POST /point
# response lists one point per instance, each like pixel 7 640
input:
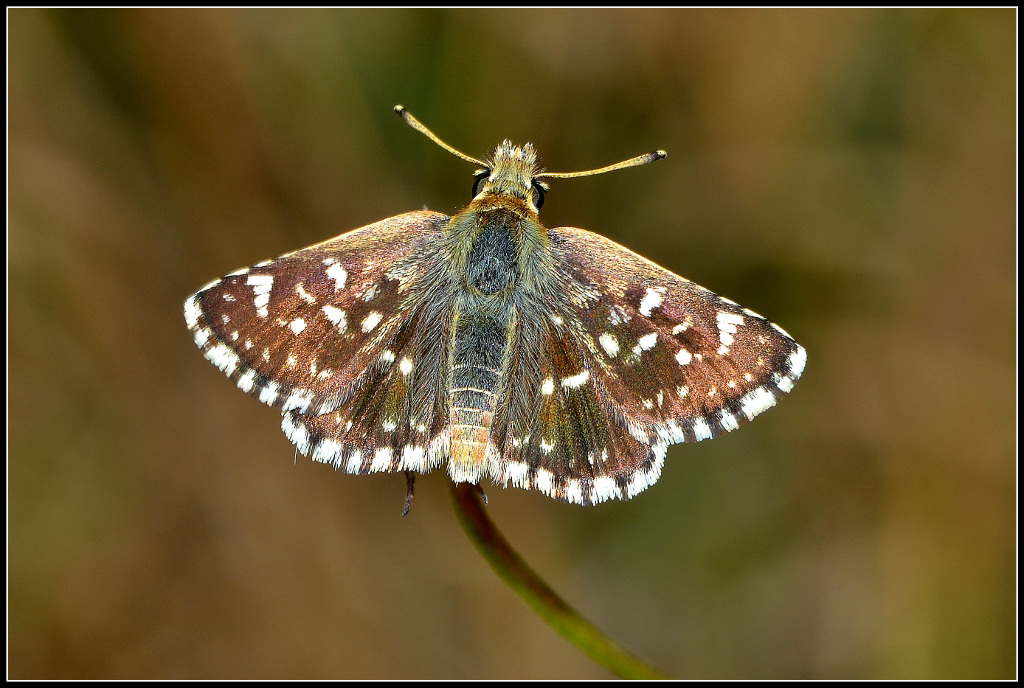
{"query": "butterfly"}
pixel 554 360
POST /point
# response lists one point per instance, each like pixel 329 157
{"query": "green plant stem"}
pixel 538 594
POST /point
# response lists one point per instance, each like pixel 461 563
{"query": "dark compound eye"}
pixel 480 178
pixel 538 195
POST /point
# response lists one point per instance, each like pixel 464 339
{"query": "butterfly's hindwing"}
pixel 396 416
pixel 572 446
pixel 303 331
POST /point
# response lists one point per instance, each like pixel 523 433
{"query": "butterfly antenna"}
pixel 632 162
pixel 418 126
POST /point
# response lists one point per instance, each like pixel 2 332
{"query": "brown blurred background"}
pixel 850 174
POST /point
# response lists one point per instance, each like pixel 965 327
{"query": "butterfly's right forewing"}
pixel 307 331
pixel 679 362
pixel 629 359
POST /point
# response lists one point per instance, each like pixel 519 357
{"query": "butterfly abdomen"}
pixel 480 342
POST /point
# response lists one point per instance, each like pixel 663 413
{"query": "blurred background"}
pixel 851 174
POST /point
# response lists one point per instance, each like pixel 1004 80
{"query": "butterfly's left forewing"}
pixel 638 358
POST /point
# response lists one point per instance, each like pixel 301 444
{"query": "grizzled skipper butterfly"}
pixel 552 359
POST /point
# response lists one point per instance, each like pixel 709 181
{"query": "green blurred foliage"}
pixel 851 174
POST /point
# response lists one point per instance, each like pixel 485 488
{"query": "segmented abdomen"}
pixel 476 372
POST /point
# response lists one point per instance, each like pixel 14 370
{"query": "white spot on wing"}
pixel 245 383
pixel 651 300
pixel 371 321
pixel 261 286
pixel 338 274
pixel 297 325
pixel 223 357
pixel 729 319
pixel 701 430
pixel 381 460
pixel 797 361
pixel 517 473
pixel 756 401
pixel 412 458
pixel 192 312
pixel 618 315
pixel 299 400
pixel 297 433
pixel 604 489
pixel 303 294
pixel 268 395
pixel 336 316
pixel 576 380
pixel 545 480
pixel 355 462
pixel 646 342
pixel 201 336
pixel 727 324
pixel 328 451
pixel 609 344
pixel 784 383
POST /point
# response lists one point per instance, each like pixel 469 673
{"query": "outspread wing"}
pixel 633 358
pixel 307 331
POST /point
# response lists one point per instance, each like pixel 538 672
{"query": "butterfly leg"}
pixel 410 483
pixel 480 488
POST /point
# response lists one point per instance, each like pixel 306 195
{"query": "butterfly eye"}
pixel 480 178
pixel 538 195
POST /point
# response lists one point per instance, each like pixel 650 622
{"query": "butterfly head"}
pixel 511 171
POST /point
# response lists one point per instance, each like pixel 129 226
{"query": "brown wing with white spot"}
pixel 676 362
pixel 307 331
pixel 396 418
pixel 558 431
